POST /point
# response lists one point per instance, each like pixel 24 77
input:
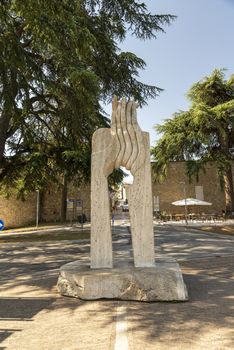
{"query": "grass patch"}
pixel 48 236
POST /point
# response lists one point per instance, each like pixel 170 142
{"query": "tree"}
pixel 59 60
pixel 202 134
pixel 47 91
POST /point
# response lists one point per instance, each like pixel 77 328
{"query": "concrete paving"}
pixel 34 316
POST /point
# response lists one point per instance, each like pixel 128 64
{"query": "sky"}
pixel 198 41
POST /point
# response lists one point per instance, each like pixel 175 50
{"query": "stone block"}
pixel 163 282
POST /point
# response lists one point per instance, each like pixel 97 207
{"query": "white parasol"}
pixel 190 201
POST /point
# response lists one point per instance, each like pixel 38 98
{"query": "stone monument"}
pixel 145 278
pixel 124 144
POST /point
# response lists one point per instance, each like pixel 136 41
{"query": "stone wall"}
pixel 176 182
pixel 15 212
pixel 51 202
pixel 82 194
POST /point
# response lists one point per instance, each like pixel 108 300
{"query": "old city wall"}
pixel 15 212
pixel 51 202
pixel 176 182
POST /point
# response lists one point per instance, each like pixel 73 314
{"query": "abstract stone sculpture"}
pixel 147 280
pixel 124 144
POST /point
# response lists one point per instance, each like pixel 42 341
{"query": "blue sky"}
pixel 198 41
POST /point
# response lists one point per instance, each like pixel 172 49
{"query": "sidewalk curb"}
pixel 42 231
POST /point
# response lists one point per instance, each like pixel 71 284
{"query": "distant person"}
pixel 113 216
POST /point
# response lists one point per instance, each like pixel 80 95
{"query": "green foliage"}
pixel 116 178
pixel 59 59
pixel 203 133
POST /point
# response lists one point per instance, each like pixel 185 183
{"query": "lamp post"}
pixel 38 204
pixel 185 204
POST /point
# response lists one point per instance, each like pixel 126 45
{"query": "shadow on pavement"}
pixel 204 322
pixel 19 309
pixel 206 319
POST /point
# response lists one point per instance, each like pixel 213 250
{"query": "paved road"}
pixel 34 316
pixel 184 243
pixel 176 241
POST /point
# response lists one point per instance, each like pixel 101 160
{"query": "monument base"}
pixel 163 282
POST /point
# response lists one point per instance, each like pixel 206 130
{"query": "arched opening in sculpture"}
pixel 118 185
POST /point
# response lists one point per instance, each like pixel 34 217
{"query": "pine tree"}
pixel 202 134
pixel 59 61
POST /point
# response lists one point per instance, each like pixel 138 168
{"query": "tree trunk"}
pixel 63 211
pixel 228 189
pixel 4 125
pixel 9 93
pixel 41 203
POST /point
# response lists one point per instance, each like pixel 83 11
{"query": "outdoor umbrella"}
pixel 190 201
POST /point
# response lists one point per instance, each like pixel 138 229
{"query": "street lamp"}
pixel 38 204
pixel 185 203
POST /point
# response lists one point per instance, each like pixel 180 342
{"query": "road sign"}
pixel 70 204
pixel 79 204
pixel 1 225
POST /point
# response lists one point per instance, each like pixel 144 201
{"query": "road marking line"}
pixel 121 339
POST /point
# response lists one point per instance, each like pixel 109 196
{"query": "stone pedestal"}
pixel 163 282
